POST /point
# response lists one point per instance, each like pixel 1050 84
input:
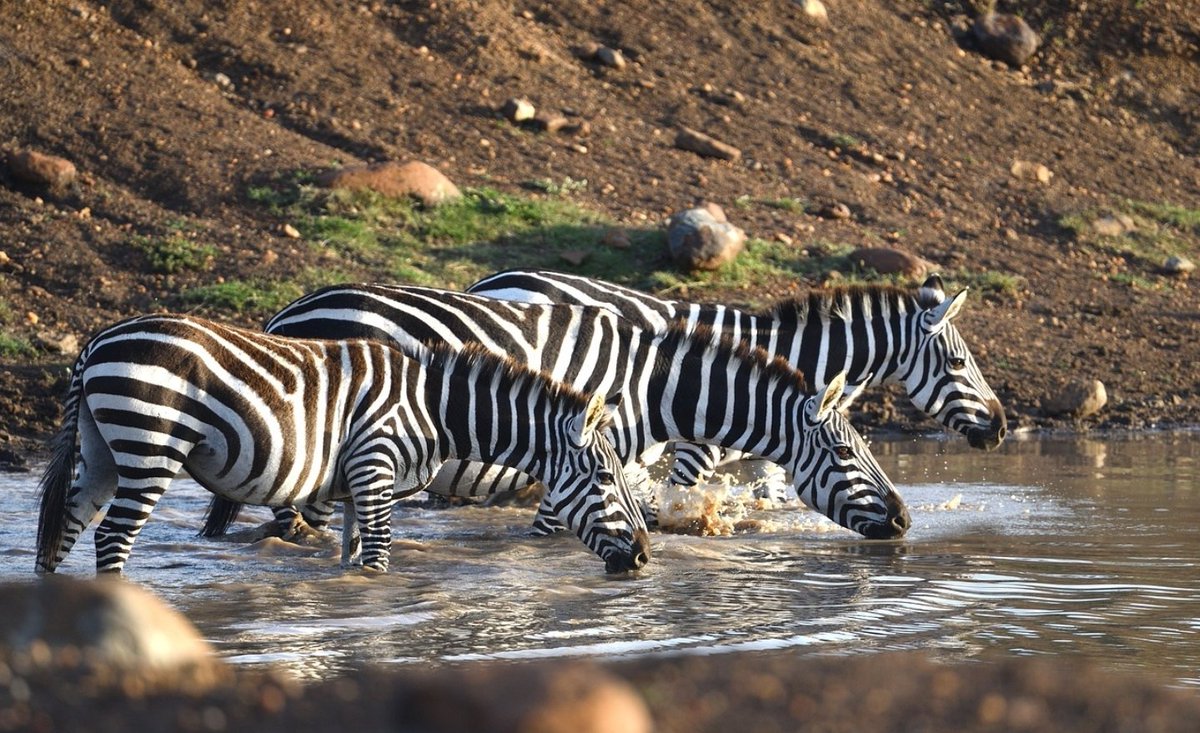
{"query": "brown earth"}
pixel 888 110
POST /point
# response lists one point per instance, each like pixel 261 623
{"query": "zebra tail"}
pixel 221 513
pixel 56 481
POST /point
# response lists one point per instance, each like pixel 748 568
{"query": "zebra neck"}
pixel 866 333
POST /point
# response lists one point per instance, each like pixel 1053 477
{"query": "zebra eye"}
pixel 605 478
pixel 957 362
pixel 843 452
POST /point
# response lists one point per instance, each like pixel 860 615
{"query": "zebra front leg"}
pixel 351 538
pixel 694 463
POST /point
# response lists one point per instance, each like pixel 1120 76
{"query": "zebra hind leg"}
pixel 128 512
pixel 94 485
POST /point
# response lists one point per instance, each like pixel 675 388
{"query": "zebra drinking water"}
pixel 874 334
pixel 684 384
pixel 277 421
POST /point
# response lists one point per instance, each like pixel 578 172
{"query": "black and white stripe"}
pixel 872 334
pixel 268 420
pixel 684 384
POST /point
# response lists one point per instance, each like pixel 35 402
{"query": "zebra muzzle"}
pixel 636 558
pixel 993 435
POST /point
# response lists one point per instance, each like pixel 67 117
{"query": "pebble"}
pixel 702 144
pixel 611 57
pixel 814 10
pixel 1113 226
pixel 1005 37
pixel 887 261
pixel 290 231
pixel 41 169
pixel 1076 398
pixel 1178 265
pixel 1027 170
pixel 518 109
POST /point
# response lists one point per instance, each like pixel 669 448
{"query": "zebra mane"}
pixel 831 302
pixel 679 334
pixel 477 358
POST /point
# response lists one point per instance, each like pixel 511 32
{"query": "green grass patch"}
pixel 1160 231
pixel 175 253
pixel 247 297
pixel 376 237
pixel 14 347
pixel 990 282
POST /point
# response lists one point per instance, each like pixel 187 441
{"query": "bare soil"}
pixel 171 110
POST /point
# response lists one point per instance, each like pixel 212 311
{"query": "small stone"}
pixel 1005 37
pixel 550 123
pixel 58 343
pixel 290 231
pixel 887 261
pixel 38 168
pixel 611 57
pixel 416 179
pixel 617 239
pixel 1109 226
pixel 574 256
pixel 699 241
pixel 1077 398
pixel 32 318
pixel 835 211
pixel 784 238
pixel 814 11
pixel 518 109
pixel 698 142
pixel 1027 170
pixel 1178 265
pixel 222 80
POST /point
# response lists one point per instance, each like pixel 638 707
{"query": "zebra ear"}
pixel 596 415
pixel 943 313
pixel 851 393
pixel 829 396
pixel 932 292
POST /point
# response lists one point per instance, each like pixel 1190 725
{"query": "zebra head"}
pixel 942 377
pixel 837 474
pixel 586 486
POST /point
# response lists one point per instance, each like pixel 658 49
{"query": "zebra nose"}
pixel 992 436
pixel 898 517
pixel 635 559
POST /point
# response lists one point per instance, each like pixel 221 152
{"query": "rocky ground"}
pixel 884 120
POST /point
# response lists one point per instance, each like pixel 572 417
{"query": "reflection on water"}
pixel 1080 547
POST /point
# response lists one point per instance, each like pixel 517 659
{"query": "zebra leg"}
pixel 318 514
pixel 372 496
pixel 94 486
pixel 138 491
pixel 694 462
pixel 351 538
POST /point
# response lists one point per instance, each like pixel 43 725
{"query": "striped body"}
pixel 873 334
pixel 677 385
pixel 266 420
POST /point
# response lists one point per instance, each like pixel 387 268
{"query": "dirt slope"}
pixel 170 110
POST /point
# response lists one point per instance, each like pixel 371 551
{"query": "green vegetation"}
pixel 762 261
pixel 175 253
pixel 785 203
pixel 548 185
pixel 990 282
pixel 1158 231
pixel 13 347
pixel 245 297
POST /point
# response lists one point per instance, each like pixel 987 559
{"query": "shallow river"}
pixel 1073 547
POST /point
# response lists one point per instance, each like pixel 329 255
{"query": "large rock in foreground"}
pixel 107 625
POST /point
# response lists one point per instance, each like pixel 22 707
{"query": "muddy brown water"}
pixel 1049 546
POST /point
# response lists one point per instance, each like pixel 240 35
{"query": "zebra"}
pixel 874 334
pixel 687 383
pixel 271 420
